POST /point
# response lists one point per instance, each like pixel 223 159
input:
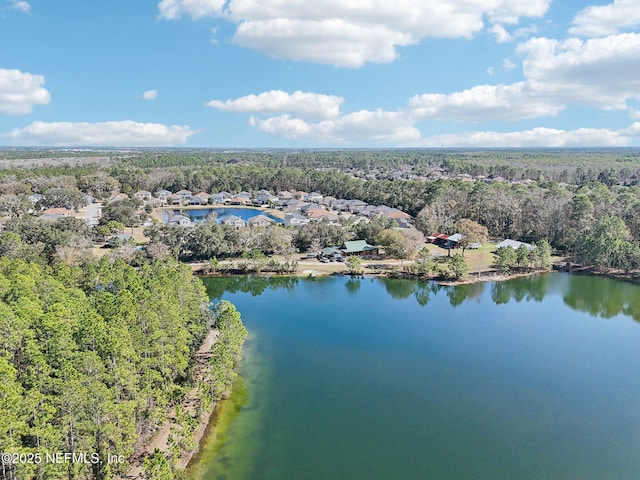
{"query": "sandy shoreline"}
pixel 160 439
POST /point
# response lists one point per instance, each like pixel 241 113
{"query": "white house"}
pixel 295 220
pixel 181 220
pixel 234 221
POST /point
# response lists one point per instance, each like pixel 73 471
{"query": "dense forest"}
pixel 92 358
pixel 95 353
pixel 577 200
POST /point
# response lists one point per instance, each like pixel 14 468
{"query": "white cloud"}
pixel 20 91
pixel 19 5
pixel 172 9
pixel 600 72
pixel 500 34
pixel 609 19
pixel 358 127
pixel 118 134
pixel 632 131
pixel 483 103
pixel 150 95
pixel 351 33
pixel 329 41
pixel 508 65
pixel 304 104
pixel 537 137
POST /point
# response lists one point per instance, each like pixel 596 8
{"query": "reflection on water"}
pixel 595 295
pixel 602 297
pixel 384 378
pixel 253 284
pixel 353 285
pixel 519 289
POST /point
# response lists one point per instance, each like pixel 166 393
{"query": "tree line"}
pixel 93 358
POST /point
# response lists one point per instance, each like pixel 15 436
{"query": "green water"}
pixel 535 378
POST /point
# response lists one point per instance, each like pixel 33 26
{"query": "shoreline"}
pixel 208 420
pixel 160 439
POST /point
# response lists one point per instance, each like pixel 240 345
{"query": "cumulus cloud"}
pixel 298 103
pixel 484 102
pixel 117 134
pixel 537 137
pixel 608 19
pixel 150 95
pixel 600 72
pixel 377 126
pixel 173 9
pixel 20 91
pixel 347 33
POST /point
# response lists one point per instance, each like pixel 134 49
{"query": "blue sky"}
pixel 322 73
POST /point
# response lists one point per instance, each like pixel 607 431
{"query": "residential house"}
pixel 238 200
pixel 185 194
pixel 163 195
pixel 175 200
pixel 284 195
pixel 118 197
pixel 311 207
pixel 260 221
pixel 142 195
pixel 264 197
pixel 328 201
pixel 196 200
pixel 234 221
pixel 355 206
pixel 222 197
pixel 453 241
pixel 154 202
pixel 393 213
pixel 204 196
pixel 295 206
pixel 322 214
pixel 179 219
pixel 120 239
pixel 55 213
pixel 515 244
pixel 358 247
pixel 295 220
pixel 35 198
pixel 339 205
pixel 313 197
pixel 299 195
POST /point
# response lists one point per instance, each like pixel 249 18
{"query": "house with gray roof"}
pixel 260 221
pixel 515 244
pixel 295 220
pixel 179 219
pixel 234 221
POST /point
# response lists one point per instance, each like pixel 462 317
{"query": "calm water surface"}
pixel 535 378
pixel 199 215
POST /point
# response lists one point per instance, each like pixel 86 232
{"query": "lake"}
pixel 199 215
pixel 344 379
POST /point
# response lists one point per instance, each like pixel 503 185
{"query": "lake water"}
pixel 199 215
pixel 343 379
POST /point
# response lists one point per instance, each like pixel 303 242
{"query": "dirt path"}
pixel 161 438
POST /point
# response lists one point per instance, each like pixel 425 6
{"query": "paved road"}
pixel 93 213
